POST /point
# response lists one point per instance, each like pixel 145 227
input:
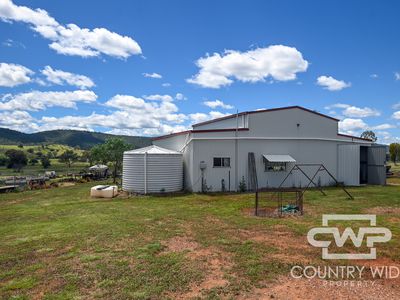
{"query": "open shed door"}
pixel 376 165
pixel 349 164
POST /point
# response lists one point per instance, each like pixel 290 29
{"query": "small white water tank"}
pixel 152 170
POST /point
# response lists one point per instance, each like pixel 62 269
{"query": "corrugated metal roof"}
pixel 153 149
pixel 279 158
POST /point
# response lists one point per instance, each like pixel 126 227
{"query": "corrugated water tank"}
pixel 152 170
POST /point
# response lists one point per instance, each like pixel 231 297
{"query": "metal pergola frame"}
pixel 297 167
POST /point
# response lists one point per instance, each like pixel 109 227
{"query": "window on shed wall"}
pixel 224 162
pixel 274 166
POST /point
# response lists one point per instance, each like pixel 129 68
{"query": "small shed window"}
pixel 277 162
pixel 224 162
pixel 274 166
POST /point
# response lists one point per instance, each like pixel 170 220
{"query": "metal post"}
pixel 236 152
pixel 319 188
pixel 337 183
pixel 256 211
pixel 145 172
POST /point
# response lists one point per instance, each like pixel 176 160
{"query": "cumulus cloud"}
pixel 360 112
pixel 396 106
pixel 70 39
pixel 12 75
pixel 36 100
pixel 331 84
pixel 18 120
pixel 162 111
pixel 385 137
pixel 382 126
pixel 396 115
pixel 337 105
pixel 279 62
pixel 357 126
pixel 202 117
pixel 62 78
pixel 150 118
pixel 152 75
pixel 159 97
pixel 374 76
pixel 397 75
pixel 217 103
pixel 160 130
pixel 350 125
pixel 354 111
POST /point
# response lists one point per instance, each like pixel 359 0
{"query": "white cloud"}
pixel 12 75
pixel 163 111
pixel 385 137
pixel 62 78
pixel 354 111
pixel 337 105
pixel 166 84
pixel 150 118
pixel 374 76
pixel 201 117
pixel 397 75
pixel 382 126
pixel 70 39
pixel 161 130
pixel 37 100
pixel 18 120
pixel 180 96
pixel 350 125
pixel 126 102
pixel 396 115
pixel 357 126
pixel 152 75
pixel 359 112
pixel 277 61
pixel 332 84
pixel 396 106
pixel 159 98
pixel 217 103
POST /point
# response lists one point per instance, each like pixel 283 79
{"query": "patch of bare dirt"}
pixel 291 248
pixel 214 261
pixel 381 210
pixel 180 244
pixel 66 184
pixel 290 288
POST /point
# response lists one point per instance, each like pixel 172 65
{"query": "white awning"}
pixel 279 158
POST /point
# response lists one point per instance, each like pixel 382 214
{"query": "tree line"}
pixel 108 153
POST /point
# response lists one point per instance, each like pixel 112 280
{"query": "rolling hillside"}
pixel 73 138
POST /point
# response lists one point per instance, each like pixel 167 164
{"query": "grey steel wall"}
pixel 349 164
pixel 181 143
pixel 376 165
pixel 317 152
pixel 307 137
pixel 164 173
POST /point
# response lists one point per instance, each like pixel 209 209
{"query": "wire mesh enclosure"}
pixel 279 202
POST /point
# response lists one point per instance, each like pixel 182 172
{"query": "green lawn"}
pixel 61 244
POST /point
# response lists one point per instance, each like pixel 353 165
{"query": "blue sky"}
pixel 214 57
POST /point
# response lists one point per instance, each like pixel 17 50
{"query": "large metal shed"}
pixel 152 170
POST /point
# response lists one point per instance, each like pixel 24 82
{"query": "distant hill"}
pixel 73 138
